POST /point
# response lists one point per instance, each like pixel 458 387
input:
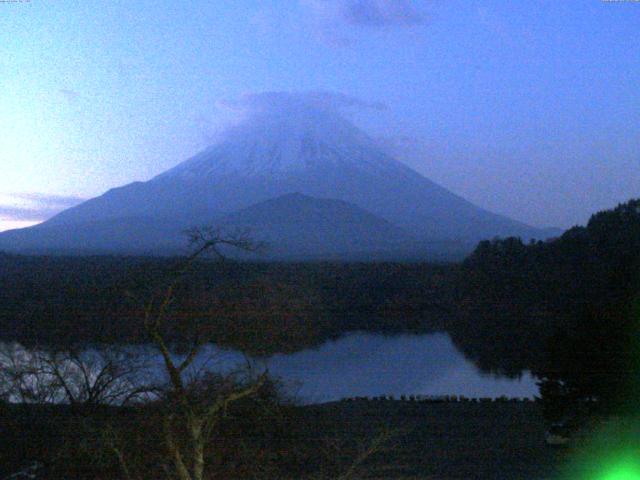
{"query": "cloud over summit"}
pixel 368 13
pixel 378 13
pixel 232 111
pixel 322 99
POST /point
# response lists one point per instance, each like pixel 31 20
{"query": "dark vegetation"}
pixel 567 309
pixel 446 440
pixel 257 307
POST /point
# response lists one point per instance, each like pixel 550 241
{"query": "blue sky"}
pixel 528 108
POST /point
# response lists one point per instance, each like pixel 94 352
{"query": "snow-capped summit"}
pixel 285 140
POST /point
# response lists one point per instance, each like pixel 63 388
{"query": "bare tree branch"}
pixel 194 405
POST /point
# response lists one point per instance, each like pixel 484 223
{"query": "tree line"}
pixel 567 309
pixel 260 308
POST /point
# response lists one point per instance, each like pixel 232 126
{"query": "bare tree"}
pixel 88 377
pixel 21 379
pixel 196 403
pixel 342 460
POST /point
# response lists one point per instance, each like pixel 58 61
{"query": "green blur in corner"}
pixel 623 469
pixel 611 452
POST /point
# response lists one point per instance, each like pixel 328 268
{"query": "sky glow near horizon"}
pixel 529 109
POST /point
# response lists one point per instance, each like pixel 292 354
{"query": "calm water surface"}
pixel 365 364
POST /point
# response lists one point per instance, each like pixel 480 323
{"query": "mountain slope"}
pixel 296 225
pixel 129 235
pixel 290 226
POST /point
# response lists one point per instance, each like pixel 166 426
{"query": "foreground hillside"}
pixel 502 441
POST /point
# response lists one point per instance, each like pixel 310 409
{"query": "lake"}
pixel 359 365
pixel 366 364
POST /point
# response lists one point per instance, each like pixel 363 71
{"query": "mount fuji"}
pixel 300 176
